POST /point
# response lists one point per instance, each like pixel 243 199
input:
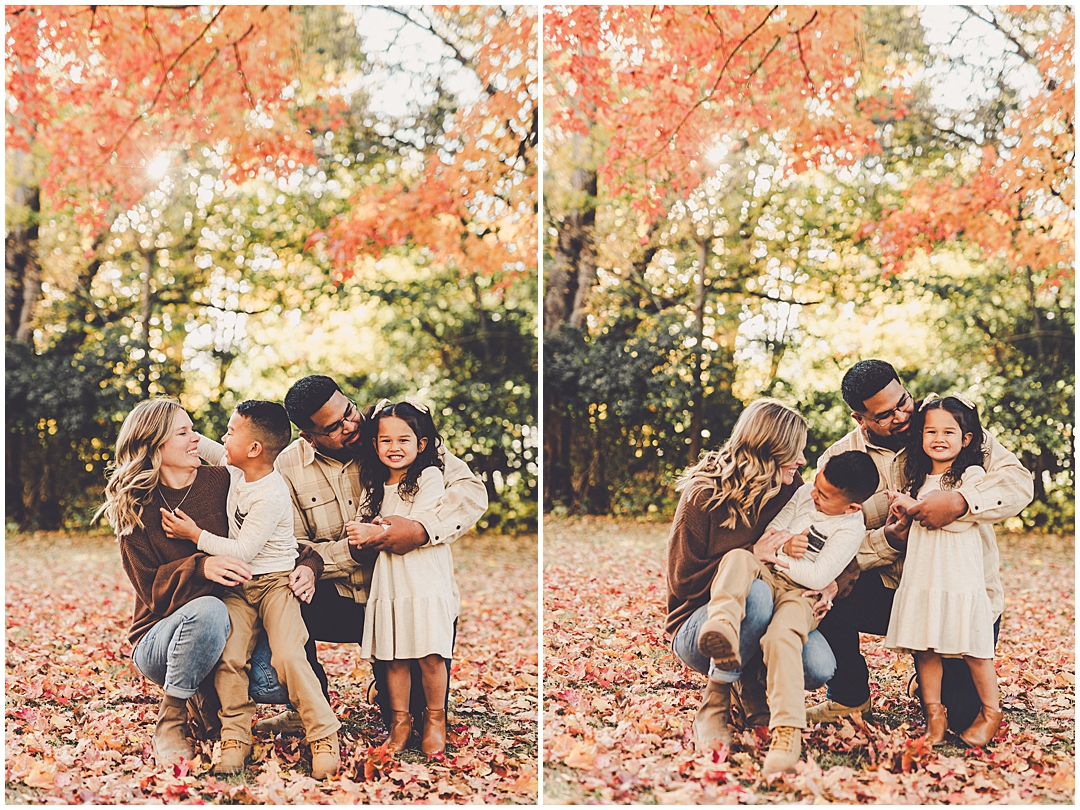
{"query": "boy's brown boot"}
pixel 784 750
pixel 712 721
pixel 170 736
pixel 325 756
pixel 400 729
pixel 234 754
pixel 719 640
pixel 937 723
pixel 433 737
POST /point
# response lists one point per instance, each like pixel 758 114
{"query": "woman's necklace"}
pixel 172 509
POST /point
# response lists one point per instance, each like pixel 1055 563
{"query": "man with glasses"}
pixel 322 471
pixel 882 409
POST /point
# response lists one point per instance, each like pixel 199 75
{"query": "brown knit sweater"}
pixel 697 543
pixel 167 573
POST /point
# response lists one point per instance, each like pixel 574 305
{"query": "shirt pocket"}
pixel 321 511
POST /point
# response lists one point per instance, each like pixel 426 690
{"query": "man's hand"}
pixel 825 599
pixel 797 544
pixel 765 549
pixel 179 525
pixel 896 531
pixel 937 509
pixel 226 571
pixel 302 582
pixel 400 536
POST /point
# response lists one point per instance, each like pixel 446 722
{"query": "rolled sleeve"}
pixel 1002 491
pixel 462 504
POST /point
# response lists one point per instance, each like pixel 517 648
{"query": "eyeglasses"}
pixel 352 414
pixel 382 403
pixel 886 417
pixel 931 397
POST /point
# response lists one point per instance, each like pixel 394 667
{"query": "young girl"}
pixel 413 601
pixel 941 607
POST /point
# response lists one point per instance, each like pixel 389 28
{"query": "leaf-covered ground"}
pixel 618 706
pixel 79 718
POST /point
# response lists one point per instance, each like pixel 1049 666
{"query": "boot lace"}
pixel 323 746
pixel 783 738
pixel 227 744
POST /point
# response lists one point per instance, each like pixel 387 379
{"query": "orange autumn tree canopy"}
pixel 669 84
pixel 474 204
pixel 102 91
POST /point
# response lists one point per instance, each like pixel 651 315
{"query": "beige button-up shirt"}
pixel 1006 489
pixel 326 494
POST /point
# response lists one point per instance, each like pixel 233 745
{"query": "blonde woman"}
pixel 179 625
pixel 728 498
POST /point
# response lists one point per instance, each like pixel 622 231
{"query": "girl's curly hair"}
pixel 374 474
pixel 918 465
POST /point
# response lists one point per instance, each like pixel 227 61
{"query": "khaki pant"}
pixel 267 598
pixel 782 644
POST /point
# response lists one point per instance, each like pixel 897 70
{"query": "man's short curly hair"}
pixel 306 397
pixel 863 380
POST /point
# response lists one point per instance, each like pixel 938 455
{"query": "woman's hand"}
pixel 797 544
pixel 302 582
pixel 765 549
pixel 825 599
pixel 227 571
pixel 178 525
pixel 360 533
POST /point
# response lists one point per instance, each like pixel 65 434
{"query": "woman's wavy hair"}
pixel 374 474
pixel 918 465
pixel 745 473
pixel 136 467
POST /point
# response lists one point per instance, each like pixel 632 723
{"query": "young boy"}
pixel 260 534
pixel 828 514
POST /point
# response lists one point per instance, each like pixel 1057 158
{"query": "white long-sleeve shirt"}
pixel 833 540
pixel 260 518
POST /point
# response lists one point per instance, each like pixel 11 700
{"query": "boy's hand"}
pixel 797 544
pixel 360 534
pixel 179 525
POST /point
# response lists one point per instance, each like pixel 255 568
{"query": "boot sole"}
pixel 718 647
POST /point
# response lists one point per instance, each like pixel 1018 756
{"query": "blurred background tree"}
pixel 809 188
pixel 179 184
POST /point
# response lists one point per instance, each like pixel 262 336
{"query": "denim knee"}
pixel 819 663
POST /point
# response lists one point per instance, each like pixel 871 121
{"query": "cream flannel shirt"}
pixel 326 494
pixel 1006 489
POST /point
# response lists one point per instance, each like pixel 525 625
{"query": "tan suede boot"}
pixel 712 723
pixel 325 756
pixel 234 754
pixel 784 750
pixel 720 641
pixel 170 736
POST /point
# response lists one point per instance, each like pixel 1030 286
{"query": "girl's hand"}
pixel 797 544
pixel 178 525
pixel 227 571
pixel 302 582
pixel 360 534
pixel 765 549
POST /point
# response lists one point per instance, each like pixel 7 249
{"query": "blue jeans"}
pixel 263 683
pixel 819 664
pixel 182 649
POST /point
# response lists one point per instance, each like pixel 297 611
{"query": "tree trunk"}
pixel 697 408
pixel 21 264
pixel 572 274
pixel 144 318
